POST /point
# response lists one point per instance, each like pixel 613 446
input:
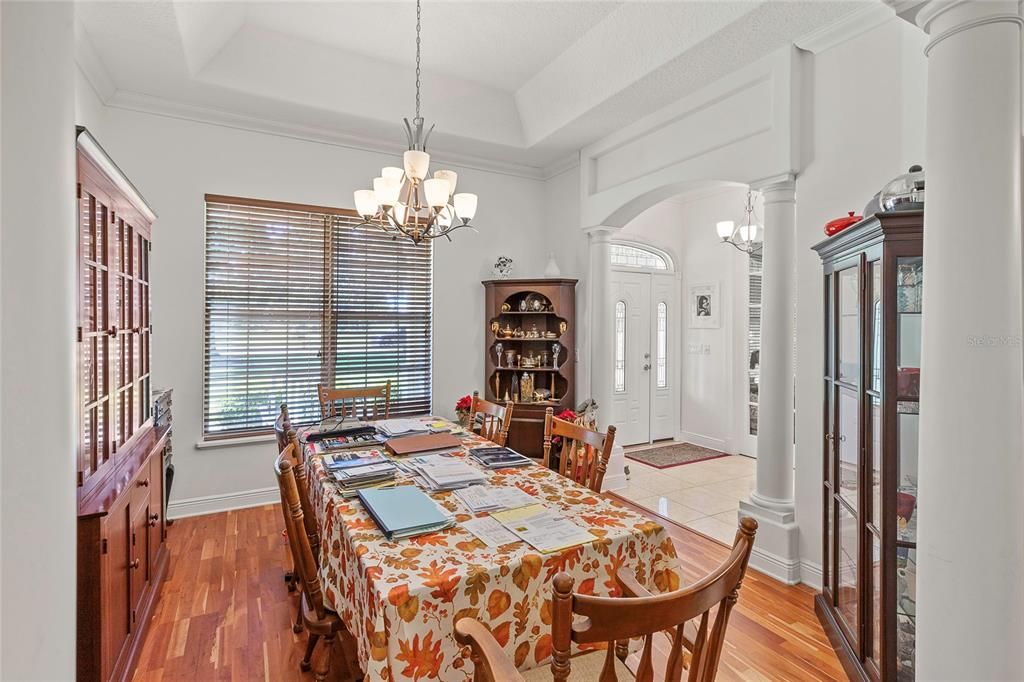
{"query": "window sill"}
pixel 232 442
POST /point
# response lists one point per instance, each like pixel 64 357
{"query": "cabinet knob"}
pixel 134 564
pixel 144 483
pixel 153 519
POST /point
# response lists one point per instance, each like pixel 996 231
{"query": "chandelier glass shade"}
pixel 407 201
pixel 748 236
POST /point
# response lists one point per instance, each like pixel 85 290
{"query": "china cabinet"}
pixel 121 553
pixel 873 279
pixel 530 353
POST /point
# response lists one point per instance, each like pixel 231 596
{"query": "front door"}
pixel 644 407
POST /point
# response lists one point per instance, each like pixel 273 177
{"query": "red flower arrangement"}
pixel 464 404
pixel 565 415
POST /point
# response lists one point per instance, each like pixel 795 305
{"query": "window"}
pixel 753 339
pixel 634 256
pixel 620 347
pixel 661 361
pixel 295 296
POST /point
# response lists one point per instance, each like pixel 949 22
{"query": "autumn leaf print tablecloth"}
pixel 401 599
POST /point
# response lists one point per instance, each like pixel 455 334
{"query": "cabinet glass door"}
pixel 909 287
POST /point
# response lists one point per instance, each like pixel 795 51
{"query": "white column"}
pixel 970 558
pixel 37 321
pixel 601 323
pixel 771 503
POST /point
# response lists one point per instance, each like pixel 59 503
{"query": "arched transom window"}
pixel 639 256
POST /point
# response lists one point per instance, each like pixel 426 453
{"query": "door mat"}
pixel 674 454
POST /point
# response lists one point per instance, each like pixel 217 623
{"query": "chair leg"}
pixel 305 665
pixel 297 625
pixel 289 579
pixel 328 650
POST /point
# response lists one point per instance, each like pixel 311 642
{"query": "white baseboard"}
pixel 212 504
pixel 775 566
pixel 810 574
pixel 720 444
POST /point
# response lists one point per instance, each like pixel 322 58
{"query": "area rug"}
pixel 674 454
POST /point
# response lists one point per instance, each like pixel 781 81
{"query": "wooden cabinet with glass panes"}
pixel 873 279
pixel 121 553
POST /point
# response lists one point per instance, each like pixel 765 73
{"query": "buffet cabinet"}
pixel 530 353
pixel 121 527
pixel 873 279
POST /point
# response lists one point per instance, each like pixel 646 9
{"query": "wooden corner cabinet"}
pixel 121 526
pixel 873 275
pixel 530 353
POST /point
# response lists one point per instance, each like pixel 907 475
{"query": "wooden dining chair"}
pixel 584 452
pixel 294 453
pixel 369 402
pixel 318 621
pixel 281 426
pixel 494 419
pixel 685 643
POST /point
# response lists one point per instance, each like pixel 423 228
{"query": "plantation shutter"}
pixel 296 296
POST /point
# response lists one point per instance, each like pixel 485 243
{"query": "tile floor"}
pixel 703 496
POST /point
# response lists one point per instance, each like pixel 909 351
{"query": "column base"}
pixel 615 475
pixel 776 546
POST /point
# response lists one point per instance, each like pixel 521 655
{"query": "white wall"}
pixel 174 162
pixel 685 228
pixel 37 280
pixel 868 126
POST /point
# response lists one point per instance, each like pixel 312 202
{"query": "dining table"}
pixel 400 599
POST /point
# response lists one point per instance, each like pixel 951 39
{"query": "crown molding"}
pixel 157 106
pixel 563 165
pixel 852 25
pixel 91 66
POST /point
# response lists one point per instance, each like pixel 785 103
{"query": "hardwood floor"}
pixel 225 614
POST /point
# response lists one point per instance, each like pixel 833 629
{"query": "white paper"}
pixel 490 532
pixel 397 427
pixel 545 529
pixel 489 498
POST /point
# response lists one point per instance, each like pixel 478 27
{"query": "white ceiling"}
pixel 524 82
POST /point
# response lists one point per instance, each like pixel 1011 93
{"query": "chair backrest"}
pixel 281 426
pixel 584 452
pixel 494 419
pixel 298 461
pixel 370 402
pixel 616 620
pixel 302 553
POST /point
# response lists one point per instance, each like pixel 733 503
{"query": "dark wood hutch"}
pixel 873 276
pixel 121 526
pixel 525 319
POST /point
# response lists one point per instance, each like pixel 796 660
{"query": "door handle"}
pixel 647 368
pixel 134 564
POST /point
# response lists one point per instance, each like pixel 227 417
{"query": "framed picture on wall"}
pixel 705 306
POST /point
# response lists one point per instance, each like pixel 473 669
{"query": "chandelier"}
pixel 748 236
pixel 405 202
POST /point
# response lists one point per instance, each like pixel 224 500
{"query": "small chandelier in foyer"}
pixel 405 202
pixel 748 236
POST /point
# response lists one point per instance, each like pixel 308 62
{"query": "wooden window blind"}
pixel 296 296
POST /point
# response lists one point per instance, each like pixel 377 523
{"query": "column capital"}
pixel 600 233
pixel 777 188
pixel 942 19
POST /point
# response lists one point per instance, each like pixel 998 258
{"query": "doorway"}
pixel 645 374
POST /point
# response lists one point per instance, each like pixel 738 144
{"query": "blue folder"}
pixel 403 511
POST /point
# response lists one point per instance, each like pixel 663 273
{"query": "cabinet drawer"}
pixel 142 487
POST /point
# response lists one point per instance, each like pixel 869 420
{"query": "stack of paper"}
pixel 374 475
pixel 486 498
pixel 545 529
pixel 353 458
pixel 499 458
pixel 400 427
pixel 439 472
pixel 404 511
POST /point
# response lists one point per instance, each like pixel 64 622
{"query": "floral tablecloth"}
pixel 401 599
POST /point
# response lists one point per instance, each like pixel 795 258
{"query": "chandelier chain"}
pixel 418 11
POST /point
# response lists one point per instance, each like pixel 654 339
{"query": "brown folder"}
pixel 427 442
